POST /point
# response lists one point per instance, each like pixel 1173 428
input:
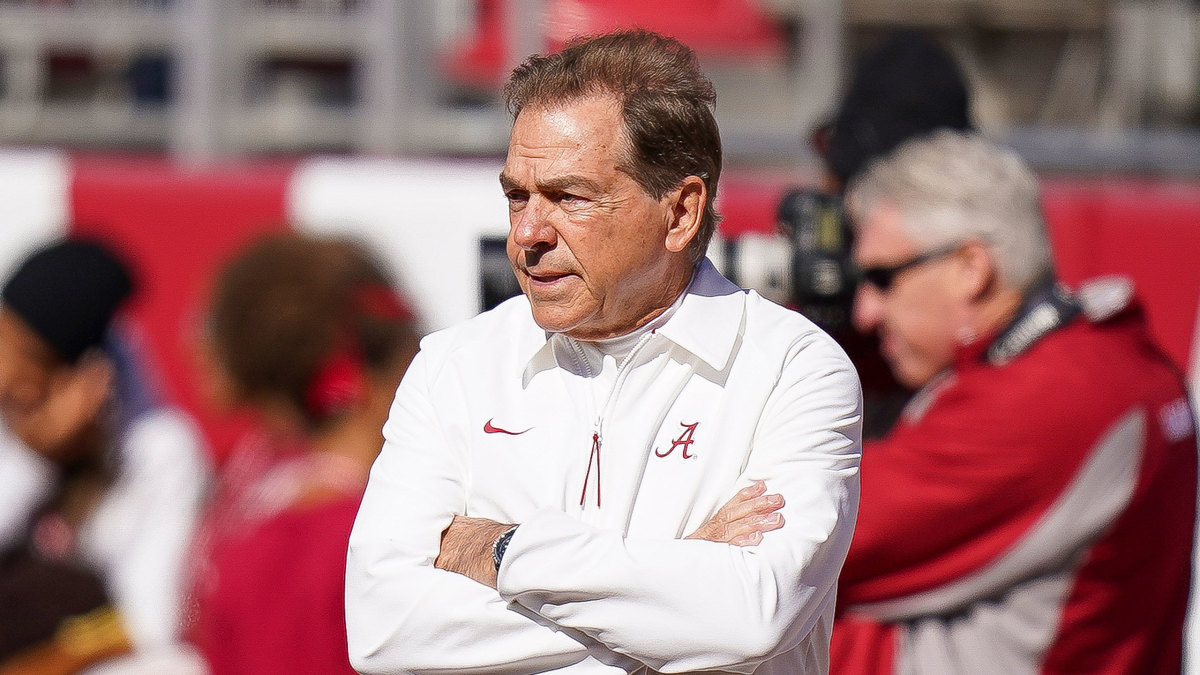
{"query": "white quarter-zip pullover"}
pixel 497 419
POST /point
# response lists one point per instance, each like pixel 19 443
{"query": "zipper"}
pixel 623 370
pixel 594 456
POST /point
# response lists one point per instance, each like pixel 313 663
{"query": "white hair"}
pixel 952 187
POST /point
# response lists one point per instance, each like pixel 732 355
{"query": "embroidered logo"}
pixel 684 442
pixel 488 428
pixel 1176 420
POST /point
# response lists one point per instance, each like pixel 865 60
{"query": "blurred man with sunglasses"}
pixel 1032 511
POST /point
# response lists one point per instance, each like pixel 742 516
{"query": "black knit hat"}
pixel 907 87
pixel 68 293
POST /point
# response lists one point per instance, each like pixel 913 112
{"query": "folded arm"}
pixel 403 614
pixel 684 605
pixel 568 590
pixel 468 545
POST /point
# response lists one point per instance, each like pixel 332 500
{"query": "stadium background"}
pixel 182 128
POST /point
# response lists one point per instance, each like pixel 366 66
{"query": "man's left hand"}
pixel 467 548
pixel 743 520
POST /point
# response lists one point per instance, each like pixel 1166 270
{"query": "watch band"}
pixel 501 545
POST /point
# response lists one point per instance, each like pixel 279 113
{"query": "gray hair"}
pixel 953 187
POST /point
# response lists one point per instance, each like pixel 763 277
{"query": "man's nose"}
pixel 868 308
pixel 532 229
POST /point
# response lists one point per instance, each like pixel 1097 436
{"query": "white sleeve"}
pixel 402 613
pixel 27 480
pixel 143 528
pixel 684 605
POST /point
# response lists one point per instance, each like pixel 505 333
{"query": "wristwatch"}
pixel 501 545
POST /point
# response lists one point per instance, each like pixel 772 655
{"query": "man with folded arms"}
pixel 635 466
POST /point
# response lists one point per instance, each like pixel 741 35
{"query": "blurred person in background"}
pixel 1032 511
pixel 91 563
pixel 310 336
pixel 906 87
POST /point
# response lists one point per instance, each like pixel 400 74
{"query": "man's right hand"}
pixel 743 520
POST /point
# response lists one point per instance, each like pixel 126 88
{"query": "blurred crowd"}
pixel 124 549
pixel 1030 509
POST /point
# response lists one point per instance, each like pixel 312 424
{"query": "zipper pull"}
pixel 594 456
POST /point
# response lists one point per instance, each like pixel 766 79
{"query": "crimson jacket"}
pixel 1029 516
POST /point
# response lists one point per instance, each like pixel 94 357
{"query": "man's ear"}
pixel 977 270
pixel 688 202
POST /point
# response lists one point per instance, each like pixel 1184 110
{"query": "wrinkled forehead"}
pixel 599 115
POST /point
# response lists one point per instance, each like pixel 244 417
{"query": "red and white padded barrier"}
pixel 425 218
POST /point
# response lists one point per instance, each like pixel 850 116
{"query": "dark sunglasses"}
pixel 882 277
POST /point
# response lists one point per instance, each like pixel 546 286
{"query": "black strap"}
pixel 1048 307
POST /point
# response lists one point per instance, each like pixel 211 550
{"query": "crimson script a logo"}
pixel 684 442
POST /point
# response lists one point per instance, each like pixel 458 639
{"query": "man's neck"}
pixel 1044 308
pixel 674 289
pixel 665 296
pixel 997 311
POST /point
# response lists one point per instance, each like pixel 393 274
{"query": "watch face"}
pixel 501 545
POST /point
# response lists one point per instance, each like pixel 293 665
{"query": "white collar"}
pixel 707 323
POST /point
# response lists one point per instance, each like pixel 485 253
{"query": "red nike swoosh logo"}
pixel 489 429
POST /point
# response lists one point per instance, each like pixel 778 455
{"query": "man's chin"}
pixel 572 325
pixel 912 376
pixel 552 319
